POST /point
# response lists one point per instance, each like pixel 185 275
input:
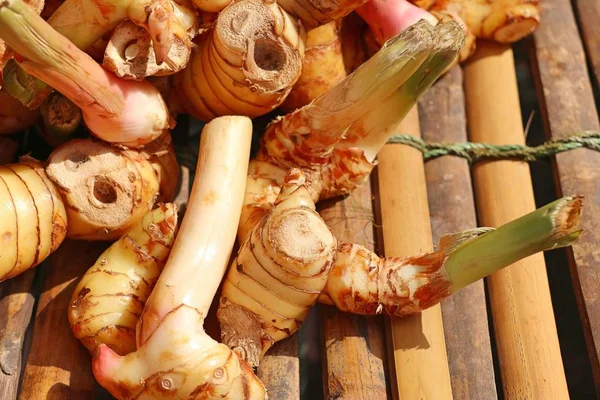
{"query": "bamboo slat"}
pixel 525 330
pixel 589 15
pixel 418 354
pixel 280 370
pixel 568 105
pixel 452 209
pixel 16 306
pixel 354 356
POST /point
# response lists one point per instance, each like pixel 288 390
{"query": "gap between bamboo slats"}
pixel 417 352
pixel 354 346
pixel 525 331
pixel 567 103
pixel 452 209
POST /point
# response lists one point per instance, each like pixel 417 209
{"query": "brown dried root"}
pixel 33 221
pixel 60 119
pixel 109 299
pixel 131 52
pixel 322 67
pixel 107 189
pixel 246 65
pixel 505 21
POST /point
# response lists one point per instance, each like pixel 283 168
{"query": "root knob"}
pixel 106 190
pixel 301 236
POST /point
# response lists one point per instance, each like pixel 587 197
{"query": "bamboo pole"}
pixel 452 209
pixel 354 345
pixel 567 106
pixel 526 337
pixel 418 353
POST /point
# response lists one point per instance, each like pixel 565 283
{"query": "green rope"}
pixel 475 152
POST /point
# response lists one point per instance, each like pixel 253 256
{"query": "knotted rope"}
pixel 474 152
